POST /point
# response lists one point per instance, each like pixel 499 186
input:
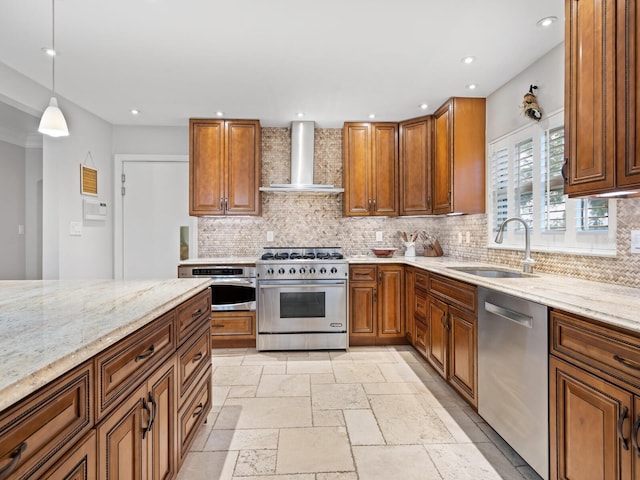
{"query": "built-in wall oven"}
pixel 233 287
pixel 302 301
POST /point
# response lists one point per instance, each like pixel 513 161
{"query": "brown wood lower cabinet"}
pixel 233 329
pixel 137 440
pixel 376 313
pixel 594 400
pixel 159 393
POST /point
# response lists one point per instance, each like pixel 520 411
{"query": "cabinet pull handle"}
pixel 634 436
pixel 197 357
pixel 15 459
pixel 625 362
pixel 442 318
pixel 197 313
pixel 375 295
pixel 221 204
pixel 155 410
pixel 563 170
pixel 226 204
pixel 198 410
pixel 146 407
pixel 147 354
pixel 374 204
pixel 623 416
pixel 380 277
pixel 370 203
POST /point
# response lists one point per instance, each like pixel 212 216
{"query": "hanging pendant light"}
pixel 53 122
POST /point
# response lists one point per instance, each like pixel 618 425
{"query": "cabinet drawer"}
pixel 240 323
pixel 453 292
pixel 421 336
pixel 422 281
pixel 34 432
pixel 362 273
pixel 596 347
pixel 122 366
pixel 420 305
pixel 193 357
pixel 191 314
pixel 193 413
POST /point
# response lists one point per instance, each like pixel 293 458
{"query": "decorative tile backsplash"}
pixel 316 220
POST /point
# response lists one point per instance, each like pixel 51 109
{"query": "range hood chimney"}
pixel 302 144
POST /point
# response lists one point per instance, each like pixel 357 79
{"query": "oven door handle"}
pixel 338 283
pixel 240 283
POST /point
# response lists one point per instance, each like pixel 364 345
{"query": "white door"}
pixel 154 208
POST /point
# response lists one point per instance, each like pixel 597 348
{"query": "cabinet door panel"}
pixel 628 158
pixel 590 94
pixel 415 167
pixel 362 304
pixel 390 310
pixel 636 453
pixel 584 412
pixel 438 336
pixel 442 159
pixel 206 171
pixel 463 341
pixel 242 173
pixel 77 464
pixel 409 301
pixel 357 168
pixel 385 168
pixel 162 389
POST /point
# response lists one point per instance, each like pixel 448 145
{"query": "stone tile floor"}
pixel 369 413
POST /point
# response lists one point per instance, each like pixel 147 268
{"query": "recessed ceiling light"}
pixel 423 106
pixel 547 21
pixel 471 86
pixel 135 111
pixel 299 114
pixel 220 114
pixel 48 51
pixel 372 115
pixel 468 60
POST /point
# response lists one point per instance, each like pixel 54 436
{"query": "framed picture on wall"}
pixel 88 180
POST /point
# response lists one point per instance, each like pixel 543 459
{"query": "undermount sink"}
pixel 492 272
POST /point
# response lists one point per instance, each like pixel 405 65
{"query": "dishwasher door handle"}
pixel 511 315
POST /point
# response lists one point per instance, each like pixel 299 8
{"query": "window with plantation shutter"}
pixel 525 180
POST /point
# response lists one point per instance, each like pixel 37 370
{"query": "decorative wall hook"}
pixel 530 107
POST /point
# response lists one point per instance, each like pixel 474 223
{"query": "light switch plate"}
pixel 378 236
pixel 269 236
pixel 75 229
pixel 635 241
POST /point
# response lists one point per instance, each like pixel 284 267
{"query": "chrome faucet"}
pixel 528 262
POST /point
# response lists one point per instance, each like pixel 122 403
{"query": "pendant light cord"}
pixel 53 46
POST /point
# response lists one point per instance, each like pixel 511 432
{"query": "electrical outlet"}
pixel 635 241
pixel 378 236
pixel 269 236
pixel 75 229
pixel 468 239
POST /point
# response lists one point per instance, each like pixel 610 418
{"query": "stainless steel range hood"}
pixel 302 143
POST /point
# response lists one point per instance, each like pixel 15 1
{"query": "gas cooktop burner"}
pixel 316 253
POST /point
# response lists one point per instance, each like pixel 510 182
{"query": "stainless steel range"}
pixel 302 299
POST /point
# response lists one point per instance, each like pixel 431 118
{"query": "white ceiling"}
pixel 334 60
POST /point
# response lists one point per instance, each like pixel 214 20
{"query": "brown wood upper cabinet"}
pixel 601 102
pixel 415 166
pixel 224 167
pixel 370 156
pixel 459 156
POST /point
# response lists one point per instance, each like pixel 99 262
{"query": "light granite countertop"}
pixel 612 304
pixel 48 327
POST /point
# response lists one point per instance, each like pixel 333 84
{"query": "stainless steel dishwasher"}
pixel 513 374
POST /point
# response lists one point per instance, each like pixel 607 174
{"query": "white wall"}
pixel 12 184
pixel 503 106
pixel 33 213
pixel 151 140
pixel 65 256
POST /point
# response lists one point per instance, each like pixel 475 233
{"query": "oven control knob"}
pixel 281 271
pixel 292 271
pixel 312 270
pixel 302 270
pixel 334 270
pixel 269 271
pixel 323 270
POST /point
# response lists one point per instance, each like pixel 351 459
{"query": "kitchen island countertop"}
pixel 612 304
pixel 48 327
